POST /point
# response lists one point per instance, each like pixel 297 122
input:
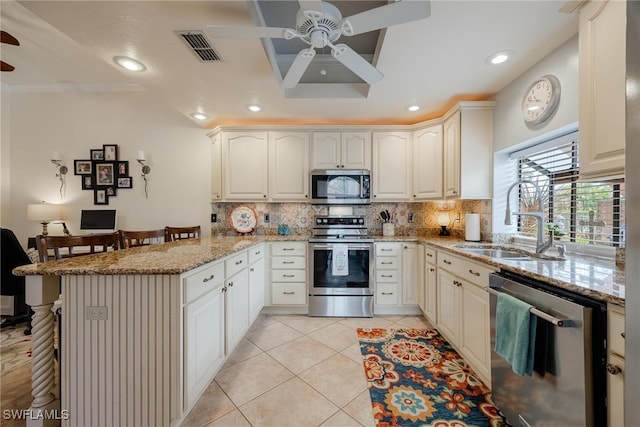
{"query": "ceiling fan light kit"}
pixel 320 24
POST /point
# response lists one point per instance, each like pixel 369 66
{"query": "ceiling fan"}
pixel 8 39
pixel 320 24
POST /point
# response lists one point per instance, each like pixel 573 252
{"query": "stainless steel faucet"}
pixel 541 244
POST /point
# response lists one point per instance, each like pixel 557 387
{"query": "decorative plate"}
pixel 243 219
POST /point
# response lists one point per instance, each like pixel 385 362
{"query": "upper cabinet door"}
pixel 216 167
pixel 246 162
pixel 355 152
pixel 341 150
pixel 427 163
pixel 289 160
pixel 391 172
pixel 452 156
pixel 602 89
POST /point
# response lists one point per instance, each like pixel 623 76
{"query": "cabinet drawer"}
pixel 430 255
pixel 289 248
pixel 288 275
pixel 386 249
pixel 203 281
pixel 288 262
pixel 615 330
pixel 387 294
pixel 387 263
pixel 386 276
pixel 289 293
pixel 256 253
pixel 465 269
pixel 235 263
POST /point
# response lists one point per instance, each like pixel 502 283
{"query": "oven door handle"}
pixel 359 246
pixel 562 323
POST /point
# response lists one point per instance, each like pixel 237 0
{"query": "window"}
pixel 590 213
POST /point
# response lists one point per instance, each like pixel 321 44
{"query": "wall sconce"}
pixel 145 171
pixel 44 213
pixel 62 171
pixel 443 222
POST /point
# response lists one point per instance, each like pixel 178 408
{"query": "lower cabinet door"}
pixel 237 308
pixel 256 289
pixel 449 306
pixel 475 331
pixel 431 285
pixel 615 389
pixel 204 343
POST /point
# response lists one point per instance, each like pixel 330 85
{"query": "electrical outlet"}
pixel 266 217
pixel 410 217
pixel 95 313
pixel 214 217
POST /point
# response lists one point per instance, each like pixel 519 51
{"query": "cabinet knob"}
pixel 306 196
pixel 414 195
pixel 475 273
pixel 613 369
pixel 206 279
pixel 430 255
pixel 238 262
pixel 375 195
pixel 432 270
pixel 623 335
pixel 231 284
pixel 338 166
pixel 264 195
pixel 252 269
pixel 446 262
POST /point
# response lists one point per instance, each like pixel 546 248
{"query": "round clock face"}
pixel 541 99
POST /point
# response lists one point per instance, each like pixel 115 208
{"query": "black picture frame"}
pixel 124 182
pixel 122 168
pixel 82 167
pixel 111 191
pixel 110 152
pixel 87 182
pixel 104 173
pixel 100 196
pixel 97 154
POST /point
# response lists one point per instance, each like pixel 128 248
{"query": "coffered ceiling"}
pixel 432 62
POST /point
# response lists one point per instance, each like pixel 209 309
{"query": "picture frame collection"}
pixel 103 173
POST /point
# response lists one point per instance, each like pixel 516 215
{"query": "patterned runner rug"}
pixel 417 379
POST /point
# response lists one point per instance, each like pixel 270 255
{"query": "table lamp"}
pixel 44 213
pixel 443 222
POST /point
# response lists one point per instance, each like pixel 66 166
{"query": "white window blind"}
pixel 581 212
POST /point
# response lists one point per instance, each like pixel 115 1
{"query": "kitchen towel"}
pixel 515 333
pixel 472 227
pixel 340 260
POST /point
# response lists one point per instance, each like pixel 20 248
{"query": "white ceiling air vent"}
pixel 200 45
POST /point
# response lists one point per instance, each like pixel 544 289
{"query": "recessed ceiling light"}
pixel 129 63
pixel 413 107
pixel 199 116
pixel 254 108
pixel 499 57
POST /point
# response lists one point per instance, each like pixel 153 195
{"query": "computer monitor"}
pixel 98 220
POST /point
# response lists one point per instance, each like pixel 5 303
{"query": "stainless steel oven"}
pixel 340 268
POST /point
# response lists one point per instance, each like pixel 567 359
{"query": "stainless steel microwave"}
pixel 341 187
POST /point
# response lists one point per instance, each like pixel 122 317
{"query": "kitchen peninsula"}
pixel 144 330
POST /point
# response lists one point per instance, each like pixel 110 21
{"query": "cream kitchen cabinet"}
pixel 237 299
pixel 615 364
pixel 204 332
pixel 341 150
pixel 289 166
pixel 410 274
pixel 288 273
pixel 430 303
pixel 388 268
pixel 216 167
pixel 256 281
pixel 391 171
pixel 602 50
pixel 468 151
pixel 427 163
pixel 463 310
pixel 246 171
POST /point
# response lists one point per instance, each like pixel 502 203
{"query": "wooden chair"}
pixel 58 247
pixel 178 233
pixel 130 239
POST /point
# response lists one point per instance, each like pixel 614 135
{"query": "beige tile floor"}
pixel 294 371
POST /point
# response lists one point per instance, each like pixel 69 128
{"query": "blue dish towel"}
pixel 515 333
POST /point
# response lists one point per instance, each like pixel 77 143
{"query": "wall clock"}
pixel 541 99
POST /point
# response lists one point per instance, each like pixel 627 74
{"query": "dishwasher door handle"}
pixel 562 323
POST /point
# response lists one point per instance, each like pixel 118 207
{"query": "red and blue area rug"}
pixel 417 379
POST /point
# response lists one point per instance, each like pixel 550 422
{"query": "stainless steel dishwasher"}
pixel 568 385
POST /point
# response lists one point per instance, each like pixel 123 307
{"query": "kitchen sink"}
pixel 498 253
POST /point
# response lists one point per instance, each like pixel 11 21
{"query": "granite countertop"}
pixel 594 277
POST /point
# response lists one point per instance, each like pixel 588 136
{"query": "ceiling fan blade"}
pixel 311 5
pixel 356 63
pixel 8 39
pixel 6 67
pixel 390 14
pixel 224 31
pixel 298 67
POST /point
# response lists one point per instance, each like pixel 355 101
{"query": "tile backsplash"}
pixel 412 219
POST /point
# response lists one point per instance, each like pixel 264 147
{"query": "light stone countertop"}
pixel 598 278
